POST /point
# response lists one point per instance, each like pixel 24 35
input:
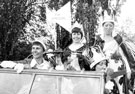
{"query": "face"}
pixel 37 51
pixel 76 37
pixel 108 28
pixel 101 66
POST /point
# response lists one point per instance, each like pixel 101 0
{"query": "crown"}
pixel 97 57
pixel 108 18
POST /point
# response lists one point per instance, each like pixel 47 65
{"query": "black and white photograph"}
pixel 67 47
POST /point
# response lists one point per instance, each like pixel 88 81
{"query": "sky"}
pixel 128 9
pixel 127 16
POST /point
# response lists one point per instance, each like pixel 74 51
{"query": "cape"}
pixel 128 48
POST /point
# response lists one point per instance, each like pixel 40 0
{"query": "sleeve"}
pixel 84 62
pixel 124 59
pixel 25 62
pixel 66 53
pixel 12 64
pixel 84 59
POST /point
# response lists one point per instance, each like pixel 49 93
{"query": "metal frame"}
pixel 83 74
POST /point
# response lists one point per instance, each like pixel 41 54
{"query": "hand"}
pixel 109 71
pixel 69 67
pixel 69 60
pixel 59 67
pixel 19 68
pixel 128 74
pixel 7 64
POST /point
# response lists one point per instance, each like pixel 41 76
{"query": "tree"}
pixel 14 15
pixel 38 27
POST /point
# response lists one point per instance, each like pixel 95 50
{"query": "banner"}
pixel 62 16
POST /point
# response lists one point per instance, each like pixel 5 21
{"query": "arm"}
pixel 11 64
pixel 25 62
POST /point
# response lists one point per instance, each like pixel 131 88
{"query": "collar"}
pixel 44 65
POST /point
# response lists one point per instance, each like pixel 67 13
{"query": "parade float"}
pixel 35 81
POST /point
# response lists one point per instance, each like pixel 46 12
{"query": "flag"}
pixel 50 15
pixel 63 17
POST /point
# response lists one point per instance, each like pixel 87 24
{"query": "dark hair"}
pixel 38 43
pixel 77 30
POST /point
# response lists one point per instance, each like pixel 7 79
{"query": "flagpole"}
pixel 55 36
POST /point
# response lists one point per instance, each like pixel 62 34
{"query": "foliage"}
pixel 86 14
pixel 14 15
pixel 21 51
pixel 38 26
pixel 37 23
pixel 56 4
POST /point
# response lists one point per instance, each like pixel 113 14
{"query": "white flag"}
pixel 62 16
pixel 50 15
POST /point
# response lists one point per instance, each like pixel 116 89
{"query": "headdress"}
pixel 97 57
pixel 41 41
pixel 108 18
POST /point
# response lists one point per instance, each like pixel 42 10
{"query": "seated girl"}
pixel 100 64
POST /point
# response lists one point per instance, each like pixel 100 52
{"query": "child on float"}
pixel 100 64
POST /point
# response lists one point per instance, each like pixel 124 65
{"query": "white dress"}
pixel 110 47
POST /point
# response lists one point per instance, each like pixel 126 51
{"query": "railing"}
pixel 34 81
